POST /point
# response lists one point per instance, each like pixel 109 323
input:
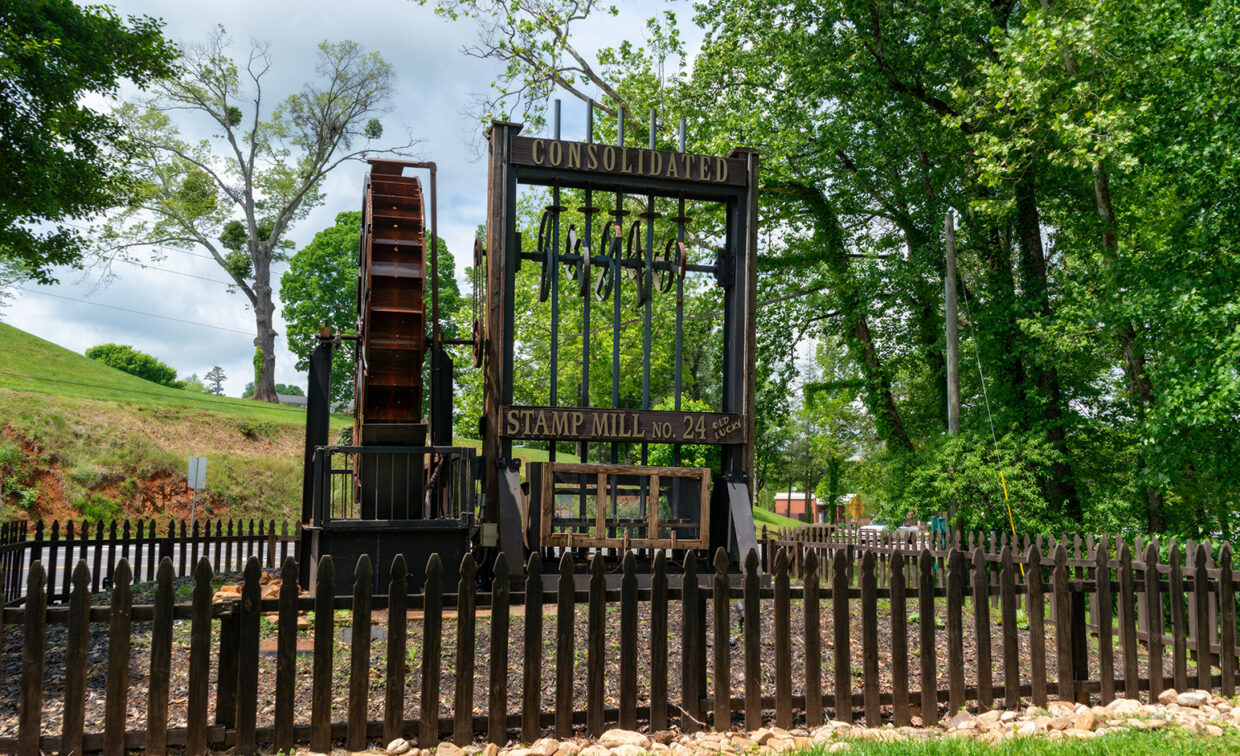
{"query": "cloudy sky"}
pixel 432 100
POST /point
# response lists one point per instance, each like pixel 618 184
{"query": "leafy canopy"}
pixel 61 159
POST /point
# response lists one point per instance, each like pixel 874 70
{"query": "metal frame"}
pixel 735 271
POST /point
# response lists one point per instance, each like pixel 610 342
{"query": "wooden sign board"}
pixel 599 424
pixel 628 161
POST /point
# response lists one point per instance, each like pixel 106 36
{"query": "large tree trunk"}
pixel 1061 488
pixel 1139 384
pixel 265 340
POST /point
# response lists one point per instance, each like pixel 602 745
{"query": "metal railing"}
pixel 394 483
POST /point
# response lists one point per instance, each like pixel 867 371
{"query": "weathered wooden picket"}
pixel 225 544
pixel 903 673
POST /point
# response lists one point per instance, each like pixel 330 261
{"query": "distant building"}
pixel 794 505
pixel 292 400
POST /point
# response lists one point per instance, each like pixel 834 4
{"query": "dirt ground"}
pixel 10 662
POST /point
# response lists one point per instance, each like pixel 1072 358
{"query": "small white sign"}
pixel 197 475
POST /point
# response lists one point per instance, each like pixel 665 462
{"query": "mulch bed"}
pixel 10 662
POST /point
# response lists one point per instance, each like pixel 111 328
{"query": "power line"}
pixel 136 312
pixel 148 266
pixel 276 408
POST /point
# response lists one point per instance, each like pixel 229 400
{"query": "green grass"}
pixel 34 365
pixel 771 520
pixel 1172 741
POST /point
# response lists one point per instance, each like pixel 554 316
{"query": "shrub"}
pixel 129 360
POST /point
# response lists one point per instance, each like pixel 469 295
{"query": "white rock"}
pixel 615 738
pixel 843 745
pixel 1193 699
pixel 1168 696
pixel 398 746
pixel 628 749
pixel 545 746
pixel 448 749
pixel 1124 706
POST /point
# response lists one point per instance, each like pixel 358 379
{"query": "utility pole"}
pixel 953 341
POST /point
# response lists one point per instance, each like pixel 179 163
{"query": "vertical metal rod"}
pixel 588 211
pixel 647 286
pixel 680 325
pixel 554 262
pixel 615 323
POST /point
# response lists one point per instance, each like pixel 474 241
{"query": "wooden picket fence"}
pixel 226 544
pixel 899 673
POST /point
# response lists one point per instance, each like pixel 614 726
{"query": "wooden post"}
pixel 981 630
pixel 1036 602
pixel 925 624
pixel 1227 621
pixel 324 642
pixel 813 642
pixel 658 643
pixel 596 642
pixel 869 639
pixel 77 665
pixel 564 621
pixel 497 699
pixel 30 696
pixel 119 629
pixel 843 652
pixel 286 655
pixel 690 651
pixel 1154 618
pixel 432 635
pixel 531 701
pixel 359 650
pixel 1011 634
pixel 1102 614
pixel 247 653
pixel 783 648
pixel 899 642
pixel 199 660
pixel 723 658
pixel 752 605
pixel 1127 623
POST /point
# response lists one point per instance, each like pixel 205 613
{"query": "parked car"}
pixel 877 529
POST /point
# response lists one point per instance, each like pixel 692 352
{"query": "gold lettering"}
pixel 624 160
pixel 620 431
pixel 704 167
pixel 609 158
pixel 578 418
pixel 685 172
pixel 656 163
pixel 592 154
pixel 535 154
pixel 721 170
pixel 574 155
pixel 540 426
pixel 513 423
pixel 600 425
pixel 559 423
pixel 671 168
pixel 527 414
pixel 611 425
pixel 556 153
pixel 637 429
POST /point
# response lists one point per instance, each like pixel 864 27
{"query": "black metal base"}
pixel 382 541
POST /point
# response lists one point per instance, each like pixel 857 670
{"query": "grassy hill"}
pixel 81 439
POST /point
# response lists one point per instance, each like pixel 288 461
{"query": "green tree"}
pixel 215 380
pixel 59 158
pixel 237 194
pixel 130 360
